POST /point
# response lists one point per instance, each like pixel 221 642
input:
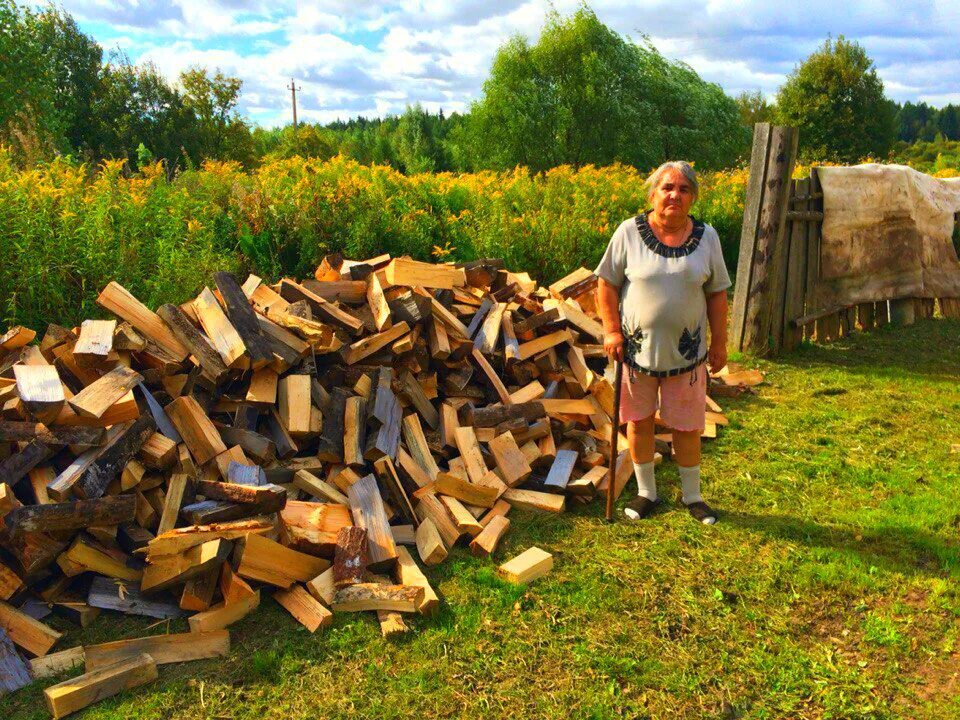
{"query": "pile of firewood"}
pixel 289 439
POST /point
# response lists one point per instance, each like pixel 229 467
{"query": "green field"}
pixel 828 589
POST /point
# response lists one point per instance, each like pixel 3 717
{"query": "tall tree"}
pixel 73 62
pixel 584 94
pixel 754 108
pixel 213 99
pixel 29 123
pixel 836 99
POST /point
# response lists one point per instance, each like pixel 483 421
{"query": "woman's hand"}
pixel 613 345
pixel 716 356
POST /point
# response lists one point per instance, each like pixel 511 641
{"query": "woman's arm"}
pixel 717 318
pixel 608 305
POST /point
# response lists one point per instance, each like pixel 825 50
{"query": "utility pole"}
pixel 293 96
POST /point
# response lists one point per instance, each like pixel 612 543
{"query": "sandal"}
pixel 639 508
pixel 702 513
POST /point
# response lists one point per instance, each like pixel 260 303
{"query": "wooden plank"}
pixel 243 319
pixel 121 303
pixel 411 273
pixel 369 345
pixel 198 432
pixel 198 345
pixel 533 347
pixel 374 596
pixel 57 663
pixel 464 520
pixel 796 270
pixel 449 319
pixel 164 649
pixel 95 399
pixel 223 615
pixel 561 470
pixel 125 597
pixel 430 508
pixel 304 607
pixel 353 431
pixel 417 445
pixel 489 332
pixel 486 542
pixel 294 404
pixel 168 570
pixel 267 561
pixel 766 291
pixel 479 495
pixel 40 391
pixel 408 573
pixel 95 342
pixel 513 466
pixel 181 539
pixel 77 693
pixel 225 338
pixel 378 303
pixel 262 390
pixel 756 185
pixel 568 407
pixel 438 339
pixel 27 633
pixel 535 500
pixel 318 488
pixel 368 512
pixel 528 566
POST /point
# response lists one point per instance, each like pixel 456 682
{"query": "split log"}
pixel 197 343
pixel 97 398
pixel 40 391
pixel 368 512
pixel 77 693
pixel 350 556
pixel 72 515
pixel 164 649
pixel 373 596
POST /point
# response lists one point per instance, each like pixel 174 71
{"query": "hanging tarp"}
pixel 887 233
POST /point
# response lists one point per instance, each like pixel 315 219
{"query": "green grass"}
pixel 828 589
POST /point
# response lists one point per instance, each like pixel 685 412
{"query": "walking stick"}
pixel 614 438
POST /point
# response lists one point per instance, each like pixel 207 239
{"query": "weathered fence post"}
pixel 758 299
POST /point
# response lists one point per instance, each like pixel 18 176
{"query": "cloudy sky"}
pixel 360 57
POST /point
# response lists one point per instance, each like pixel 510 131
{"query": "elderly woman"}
pixel 662 280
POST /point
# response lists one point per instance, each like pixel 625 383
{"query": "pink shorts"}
pixel 682 398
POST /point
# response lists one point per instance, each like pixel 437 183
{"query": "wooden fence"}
pixel 779 261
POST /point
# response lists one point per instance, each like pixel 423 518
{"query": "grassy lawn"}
pixel 827 590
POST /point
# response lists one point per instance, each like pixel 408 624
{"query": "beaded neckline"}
pixel 653 242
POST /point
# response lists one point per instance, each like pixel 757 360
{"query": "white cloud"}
pixel 375 57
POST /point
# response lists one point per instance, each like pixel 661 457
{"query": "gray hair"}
pixel 653 182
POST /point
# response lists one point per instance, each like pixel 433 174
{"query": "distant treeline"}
pixel 581 95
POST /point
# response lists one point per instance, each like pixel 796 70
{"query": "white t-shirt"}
pixel 663 307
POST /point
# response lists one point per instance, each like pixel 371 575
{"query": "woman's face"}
pixel 674 196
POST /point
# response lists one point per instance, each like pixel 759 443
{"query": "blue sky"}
pixel 353 57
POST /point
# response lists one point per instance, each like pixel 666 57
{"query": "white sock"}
pixel 690 484
pixel 646 484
